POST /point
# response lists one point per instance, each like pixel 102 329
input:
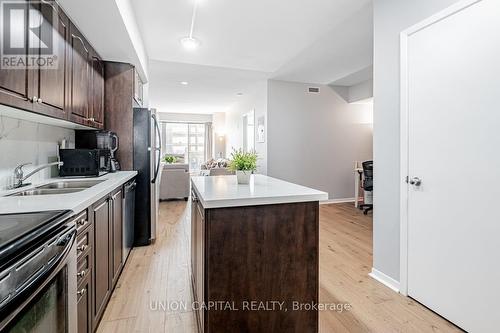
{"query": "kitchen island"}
pixel 255 262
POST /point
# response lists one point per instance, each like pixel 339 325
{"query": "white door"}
pixel 453 71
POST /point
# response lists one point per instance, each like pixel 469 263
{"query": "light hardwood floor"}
pixel 159 273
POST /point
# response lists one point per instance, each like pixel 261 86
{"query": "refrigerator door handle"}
pixel 158 150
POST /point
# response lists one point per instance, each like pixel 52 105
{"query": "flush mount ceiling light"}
pixel 239 94
pixel 189 42
pixel 184 83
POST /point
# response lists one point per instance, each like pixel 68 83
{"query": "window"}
pixel 186 139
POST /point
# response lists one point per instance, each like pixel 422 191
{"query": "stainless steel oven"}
pixel 38 286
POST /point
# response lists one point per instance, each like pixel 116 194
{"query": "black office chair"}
pixel 367 184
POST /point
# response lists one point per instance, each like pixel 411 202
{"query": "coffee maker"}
pixel 99 140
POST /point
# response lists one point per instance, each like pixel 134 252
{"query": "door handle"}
pixel 415 181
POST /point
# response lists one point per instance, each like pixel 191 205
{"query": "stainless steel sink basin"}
pixel 61 187
pixel 79 184
pixel 40 191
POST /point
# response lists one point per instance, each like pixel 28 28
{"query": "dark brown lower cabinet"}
pixel 101 283
pixel 261 254
pixel 85 236
pixel 117 235
pixel 85 306
pixel 197 255
pixel 99 253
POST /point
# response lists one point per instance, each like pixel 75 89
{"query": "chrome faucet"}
pixel 19 176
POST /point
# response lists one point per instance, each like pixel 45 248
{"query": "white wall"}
pixel 255 99
pixel 23 141
pixel 390 18
pixel 361 91
pixel 127 12
pixel 314 139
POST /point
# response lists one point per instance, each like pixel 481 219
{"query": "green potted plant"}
pixel 244 163
pixel 170 159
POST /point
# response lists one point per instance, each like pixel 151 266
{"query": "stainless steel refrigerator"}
pixel 147 150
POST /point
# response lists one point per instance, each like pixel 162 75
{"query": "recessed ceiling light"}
pixel 239 94
pixel 190 43
pixel 184 83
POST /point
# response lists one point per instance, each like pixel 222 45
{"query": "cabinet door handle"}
pixel 81 248
pixel 39 100
pixel 81 292
pixel 34 99
pixel 81 41
pixel 81 274
pixel 81 222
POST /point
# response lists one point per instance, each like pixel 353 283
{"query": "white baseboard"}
pixel 385 279
pixel 334 201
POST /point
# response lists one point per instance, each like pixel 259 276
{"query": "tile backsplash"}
pixel 23 141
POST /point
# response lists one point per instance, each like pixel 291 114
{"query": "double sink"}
pixel 60 187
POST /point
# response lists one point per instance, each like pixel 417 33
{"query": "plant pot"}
pixel 243 176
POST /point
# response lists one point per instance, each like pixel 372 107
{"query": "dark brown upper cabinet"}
pixel 41 87
pixel 80 74
pixel 138 89
pixel 65 76
pixel 96 116
pixel 16 82
pixel 50 93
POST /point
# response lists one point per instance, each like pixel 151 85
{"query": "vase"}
pixel 243 176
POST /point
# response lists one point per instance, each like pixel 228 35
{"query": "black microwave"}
pixel 84 162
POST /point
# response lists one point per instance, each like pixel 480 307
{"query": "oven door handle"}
pixel 67 240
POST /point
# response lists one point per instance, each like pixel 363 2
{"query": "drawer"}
pixel 83 268
pixel 82 221
pixel 84 242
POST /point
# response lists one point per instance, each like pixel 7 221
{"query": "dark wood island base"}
pixel 256 268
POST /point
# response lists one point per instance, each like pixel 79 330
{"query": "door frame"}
pixel 404 130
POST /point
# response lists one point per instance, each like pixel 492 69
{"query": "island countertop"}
pixel 224 191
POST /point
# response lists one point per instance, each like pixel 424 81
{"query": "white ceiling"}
pixel 256 35
pixel 336 53
pixel 243 42
pixel 210 89
pixel 316 41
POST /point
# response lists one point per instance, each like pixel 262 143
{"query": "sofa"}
pixel 174 182
pixel 217 167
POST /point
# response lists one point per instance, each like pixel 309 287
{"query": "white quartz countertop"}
pixel 76 201
pixel 224 191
